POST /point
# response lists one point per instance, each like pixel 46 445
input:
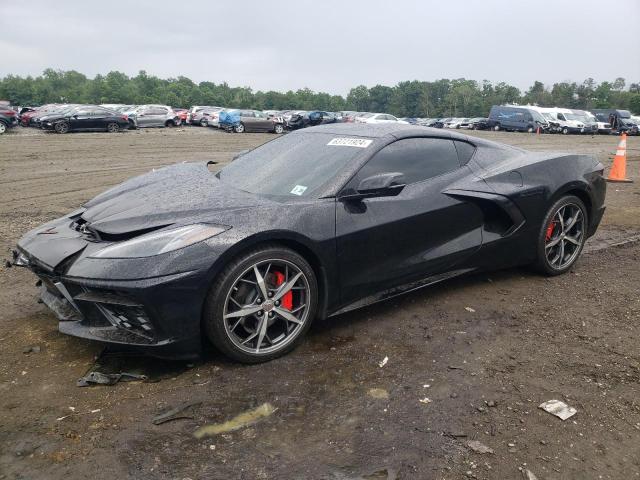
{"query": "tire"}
pixel 3 128
pixel 239 128
pixel 496 128
pixel 203 122
pixel 132 125
pixel 565 131
pixel 530 129
pixel 237 287
pixel 552 238
pixel 169 124
pixel 113 127
pixel 61 127
pixel 278 128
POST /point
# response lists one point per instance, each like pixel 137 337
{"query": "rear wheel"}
pixel 61 127
pixel 562 236
pixel 530 129
pixel 113 127
pixel 497 128
pixel 203 122
pixel 261 305
pixel 3 128
pixel 239 128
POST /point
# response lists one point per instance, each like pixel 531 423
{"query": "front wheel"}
pixel 3 128
pixel 278 128
pixel 562 236
pixel 203 122
pixel 61 127
pixel 496 128
pixel 239 128
pixel 565 131
pixel 261 305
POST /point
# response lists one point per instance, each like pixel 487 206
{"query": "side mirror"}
pixel 380 185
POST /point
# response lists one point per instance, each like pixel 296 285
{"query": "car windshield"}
pixel 294 165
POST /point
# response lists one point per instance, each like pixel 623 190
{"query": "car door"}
pixel 262 122
pixel 385 242
pixel 99 119
pixel 156 116
pixel 82 119
pixel 142 117
pixel 248 118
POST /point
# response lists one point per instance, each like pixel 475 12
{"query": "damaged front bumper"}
pixel 156 312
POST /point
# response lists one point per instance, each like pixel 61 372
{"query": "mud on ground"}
pixel 525 339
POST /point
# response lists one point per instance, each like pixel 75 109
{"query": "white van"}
pixel 567 121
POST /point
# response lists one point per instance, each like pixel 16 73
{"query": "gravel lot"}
pixel 523 340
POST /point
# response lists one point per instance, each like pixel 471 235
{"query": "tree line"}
pixel 440 98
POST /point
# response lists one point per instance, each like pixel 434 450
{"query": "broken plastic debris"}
pixel 107 378
pixel 244 419
pixel 384 362
pixel 479 447
pixel 469 309
pixel 425 400
pixel 528 475
pixel 174 414
pixel 558 408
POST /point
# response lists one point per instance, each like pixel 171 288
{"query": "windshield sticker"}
pixel 350 142
pixel 298 189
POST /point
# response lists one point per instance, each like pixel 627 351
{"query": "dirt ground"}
pixel 481 372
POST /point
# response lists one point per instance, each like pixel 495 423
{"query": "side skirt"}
pixel 401 290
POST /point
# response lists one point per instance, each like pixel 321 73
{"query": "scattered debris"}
pixel 479 447
pixel 490 403
pixel 382 474
pixel 174 414
pixel 469 309
pixel 59 419
pixel 379 393
pixel 425 400
pixel 455 434
pixel 107 378
pixel 455 367
pixel 244 419
pixel 384 362
pixel 528 475
pixel 31 349
pixel 558 408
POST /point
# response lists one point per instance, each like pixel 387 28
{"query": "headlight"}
pixel 156 243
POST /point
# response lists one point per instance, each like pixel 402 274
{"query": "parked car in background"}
pixel 319 117
pixel 255 121
pixel 8 119
pixel 589 121
pixel 86 118
pixel 620 120
pixel 144 116
pixel 204 116
pixel 25 118
pixel 478 123
pixel 181 114
pixel 433 122
pixel 516 119
pixel 378 118
pixel 457 123
pixel 196 108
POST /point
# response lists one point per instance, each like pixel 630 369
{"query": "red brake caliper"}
pixel 287 299
pixel 550 230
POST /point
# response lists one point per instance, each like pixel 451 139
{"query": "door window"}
pixel 417 159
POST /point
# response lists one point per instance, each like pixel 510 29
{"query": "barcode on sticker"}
pixel 350 142
pixel 298 190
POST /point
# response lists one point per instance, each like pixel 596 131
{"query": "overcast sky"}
pixel 326 45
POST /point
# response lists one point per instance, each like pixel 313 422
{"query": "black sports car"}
pixel 309 225
pixel 86 118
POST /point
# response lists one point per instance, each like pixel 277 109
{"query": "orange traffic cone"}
pixel 618 171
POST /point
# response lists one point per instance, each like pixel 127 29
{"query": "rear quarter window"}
pixel 465 151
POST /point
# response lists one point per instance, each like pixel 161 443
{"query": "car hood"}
pixel 179 194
